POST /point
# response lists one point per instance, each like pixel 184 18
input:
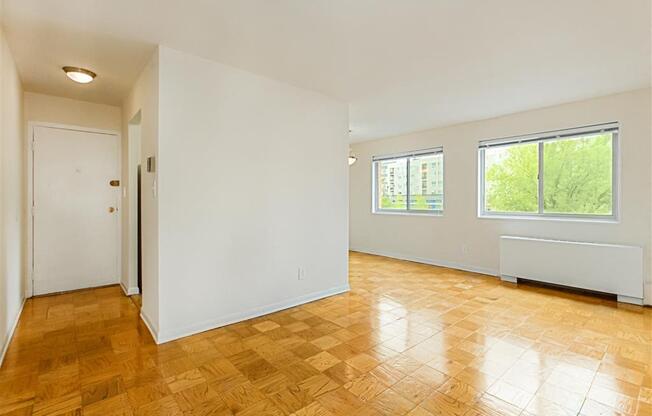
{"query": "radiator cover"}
pixel 607 268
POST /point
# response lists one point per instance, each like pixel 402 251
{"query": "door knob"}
pixel 112 209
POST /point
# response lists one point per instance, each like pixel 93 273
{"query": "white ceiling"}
pixel 401 65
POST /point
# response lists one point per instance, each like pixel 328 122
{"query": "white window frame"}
pixel 406 155
pixel 541 138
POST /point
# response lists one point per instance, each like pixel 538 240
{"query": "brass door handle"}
pixel 112 210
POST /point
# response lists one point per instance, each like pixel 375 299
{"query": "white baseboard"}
pixel 509 279
pixel 170 335
pixel 631 300
pixel 148 323
pixel 46 287
pixel 432 262
pixel 10 334
pixel 130 291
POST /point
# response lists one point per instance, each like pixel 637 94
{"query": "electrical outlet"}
pixel 465 249
pixel 301 274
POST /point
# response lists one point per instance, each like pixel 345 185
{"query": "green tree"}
pixel 511 178
pixel 577 176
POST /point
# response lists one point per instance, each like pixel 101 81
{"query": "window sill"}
pixel 409 214
pixel 549 218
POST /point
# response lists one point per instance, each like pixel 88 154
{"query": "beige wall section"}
pixel 442 240
pixel 142 98
pixel 51 109
pixel 12 196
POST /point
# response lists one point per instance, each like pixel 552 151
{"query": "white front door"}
pixel 76 219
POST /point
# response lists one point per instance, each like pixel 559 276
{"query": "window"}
pixel 410 182
pixel 570 173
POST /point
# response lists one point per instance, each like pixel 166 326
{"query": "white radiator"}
pixel 606 268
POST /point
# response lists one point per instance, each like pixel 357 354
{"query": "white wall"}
pixel 12 196
pixel 143 98
pixel 51 109
pixel 441 240
pixel 253 184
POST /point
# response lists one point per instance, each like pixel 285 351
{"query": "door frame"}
pixel 29 211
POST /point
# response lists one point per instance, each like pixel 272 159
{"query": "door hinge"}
pixel 33 210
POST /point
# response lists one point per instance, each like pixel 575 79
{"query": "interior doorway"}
pixel 139 211
pixel 135 268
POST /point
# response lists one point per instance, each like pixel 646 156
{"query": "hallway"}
pixel 408 339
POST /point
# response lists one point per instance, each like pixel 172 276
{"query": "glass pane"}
pixel 577 175
pixel 392 184
pixel 427 182
pixel 511 183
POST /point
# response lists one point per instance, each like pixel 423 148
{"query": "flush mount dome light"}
pixel 80 75
pixel 352 158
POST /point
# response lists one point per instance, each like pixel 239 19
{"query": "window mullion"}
pixel 540 177
pixel 615 175
pixel 481 202
pixel 376 186
pixel 407 191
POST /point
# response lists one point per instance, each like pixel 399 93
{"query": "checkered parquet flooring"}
pixel 408 339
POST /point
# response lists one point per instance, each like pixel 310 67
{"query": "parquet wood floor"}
pixel 408 339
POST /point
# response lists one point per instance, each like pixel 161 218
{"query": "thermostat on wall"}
pixel 151 164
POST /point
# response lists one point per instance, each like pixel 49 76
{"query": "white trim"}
pixel 414 153
pixel 10 334
pixel 134 148
pixel 509 279
pixel 647 294
pixel 150 326
pixel 549 217
pixel 29 258
pixel 73 127
pixel 129 291
pixel 68 285
pixel 29 211
pixel 552 134
pixel 432 262
pixel 630 300
pixel 410 213
pixel 170 335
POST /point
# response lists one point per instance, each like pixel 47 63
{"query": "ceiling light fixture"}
pixel 80 75
pixel 352 158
